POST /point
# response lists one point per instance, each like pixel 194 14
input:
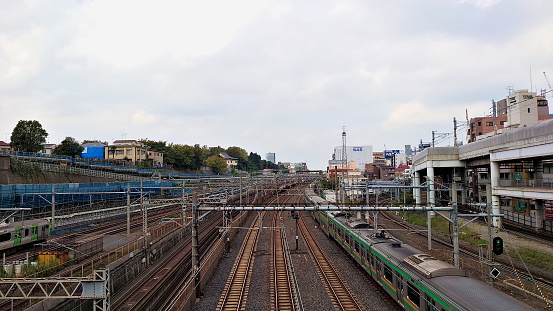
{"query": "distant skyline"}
pixel 267 76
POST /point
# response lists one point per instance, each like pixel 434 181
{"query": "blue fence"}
pixel 40 195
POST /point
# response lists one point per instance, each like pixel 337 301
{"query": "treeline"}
pixel 186 157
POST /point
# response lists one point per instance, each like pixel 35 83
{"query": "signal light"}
pixel 497 245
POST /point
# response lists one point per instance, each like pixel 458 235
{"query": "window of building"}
pixel 129 151
pixel 119 152
pixel 548 168
pixel 504 175
pixel 489 123
pixel 528 110
pixel 501 122
pixel 479 123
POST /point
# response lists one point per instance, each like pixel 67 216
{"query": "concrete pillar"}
pixel 539 214
pixel 417 191
pixel 431 202
pixel 431 193
pixel 494 179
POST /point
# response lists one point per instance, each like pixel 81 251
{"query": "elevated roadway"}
pixel 506 169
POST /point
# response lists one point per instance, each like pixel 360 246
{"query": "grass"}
pixel 533 257
pixel 530 256
pixel 444 227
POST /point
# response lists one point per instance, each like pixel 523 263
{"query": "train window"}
pixel 356 245
pixel 26 232
pixel 430 304
pixel 388 273
pixel 35 230
pixel 413 294
pixel 5 237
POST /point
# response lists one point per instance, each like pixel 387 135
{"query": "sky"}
pixel 267 76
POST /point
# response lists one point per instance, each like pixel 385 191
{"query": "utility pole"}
pixel 454 218
pixel 454 132
pixel 494 107
pixel 128 209
pixel 52 224
pixel 195 252
pixel 344 162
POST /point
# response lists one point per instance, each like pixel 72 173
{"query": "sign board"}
pixel 518 177
pixel 357 148
pixel 548 214
pixel 390 153
pixel 494 273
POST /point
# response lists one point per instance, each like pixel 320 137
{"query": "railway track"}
pixel 283 289
pixel 338 290
pixel 155 287
pixel 235 293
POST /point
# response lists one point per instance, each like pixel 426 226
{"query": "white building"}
pixel 360 155
pixel 524 109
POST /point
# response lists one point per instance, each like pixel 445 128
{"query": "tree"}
pixel 28 136
pixel 69 147
pixel 217 164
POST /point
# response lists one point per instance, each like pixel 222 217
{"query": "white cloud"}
pixel 130 33
pixel 481 3
pixel 265 75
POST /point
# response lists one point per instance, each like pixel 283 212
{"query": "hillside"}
pixel 7 178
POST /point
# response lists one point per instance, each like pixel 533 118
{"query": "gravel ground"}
pixel 313 294
pixel 214 288
pixel 368 293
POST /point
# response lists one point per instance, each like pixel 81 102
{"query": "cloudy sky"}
pixel 267 76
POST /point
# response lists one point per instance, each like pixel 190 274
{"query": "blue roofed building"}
pixel 93 151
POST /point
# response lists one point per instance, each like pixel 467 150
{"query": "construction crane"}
pixel 548 84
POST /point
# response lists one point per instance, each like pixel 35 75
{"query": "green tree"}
pixel 69 147
pixel 28 136
pixel 254 160
pixel 217 164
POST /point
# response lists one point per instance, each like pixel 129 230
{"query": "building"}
pixel 359 155
pixel 130 150
pixel 4 146
pixel 93 151
pixel 156 157
pixel 372 171
pixel 482 127
pixel 271 157
pixel 293 167
pixel 378 158
pixel 48 148
pixel 520 109
pixel 231 161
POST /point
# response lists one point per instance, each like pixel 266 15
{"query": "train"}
pixel 415 280
pixel 21 234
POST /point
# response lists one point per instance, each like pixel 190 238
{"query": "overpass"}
pixel 513 171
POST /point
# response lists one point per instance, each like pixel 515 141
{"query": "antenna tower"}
pixel 344 151
pixel 547 80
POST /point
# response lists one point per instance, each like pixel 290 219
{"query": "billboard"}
pixel 388 154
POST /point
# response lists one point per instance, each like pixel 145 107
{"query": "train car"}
pixel 16 235
pixel 417 281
